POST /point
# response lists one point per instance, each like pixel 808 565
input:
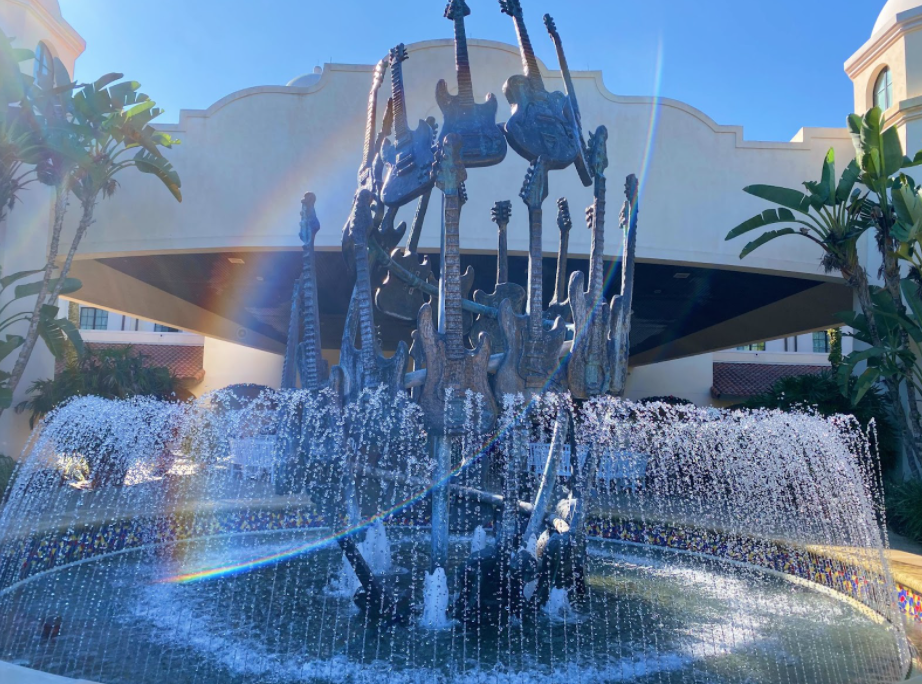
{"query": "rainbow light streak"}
pixel 237 568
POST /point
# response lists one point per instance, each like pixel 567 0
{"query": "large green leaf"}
pixel 70 286
pixel 6 397
pixel 910 290
pixel 72 332
pixel 847 182
pixel 786 197
pixel 6 281
pixel 11 344
pixel 104 81
pixel 162 169
pixel 763 238
pixel 828 181
pixel 766 218
pixel 879 151
pixel 50 331
pixel 864 383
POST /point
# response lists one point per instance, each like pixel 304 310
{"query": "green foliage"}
pixel 904 508
pixel 58 334
pixel 822 393
pixel 7 467
pixel 115 373
pixel 668 399
pixel 830 214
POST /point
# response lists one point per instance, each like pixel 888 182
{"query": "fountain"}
pixel 496 513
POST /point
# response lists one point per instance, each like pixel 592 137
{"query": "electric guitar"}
pixel 560 306
pixel 365 368
pixel 451 369
pixel 367 177
pixel 590 363
pixel 582 166
pixel 482 139
pixel 542 124
pixel 515 293
pixel 620 327
pixel 312 367
pixel 532 350
pixel 408 165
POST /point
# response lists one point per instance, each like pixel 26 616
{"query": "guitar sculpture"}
pixel 514 292
pixel 620 326
pixel 560 306
pixel 451 369
pixel 365 368
pixel 589 367
pixel 542 124
pixel 532 351
pixel 408 163
pixel 482 139
pixel 368 180
pixel 396 297
pixel 582 167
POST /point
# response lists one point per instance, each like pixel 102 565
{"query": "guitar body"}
pixel 444 392
pixel 531 361
pixel 387 371
pixel 408 174
pixel 590 363
pixel 488 325
pixel 483 142
pixel 399 298
pixel 541 124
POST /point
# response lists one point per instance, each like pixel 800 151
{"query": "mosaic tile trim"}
pixel 24 558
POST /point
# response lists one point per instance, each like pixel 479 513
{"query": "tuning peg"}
pixel 590 216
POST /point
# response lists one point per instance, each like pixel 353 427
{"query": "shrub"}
pixel 822 393
pixel 7 466
pixel 904 508
pixel 116 373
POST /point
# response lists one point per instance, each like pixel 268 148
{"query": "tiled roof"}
pixel 750 379
pixel 186 361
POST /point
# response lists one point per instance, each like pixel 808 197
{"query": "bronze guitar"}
pixel 619 335
pixel 589 366
pixel 582 166
pixel 482 139
pixel 542 124
pixel 365 368
pixel 560 306
pixel 532 349
pixel 408 164
pixel 451 369
pixel 515 293
pixel 367 177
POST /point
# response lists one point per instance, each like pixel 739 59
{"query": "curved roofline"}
pixel 802 138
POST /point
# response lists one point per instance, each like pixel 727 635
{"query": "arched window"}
pixel 43 70
pixel 883 90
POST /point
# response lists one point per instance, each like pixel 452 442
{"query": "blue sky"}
pixel 769 66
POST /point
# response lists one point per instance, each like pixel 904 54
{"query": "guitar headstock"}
pixel 457 9
pixel 511 7
pixel 631 188
pixel 564 222
pixel 501 212
pixel 310 224
pixel 451 174
pixel 398 54
pixel 551 27
pixel 534 190
pixel 380 70
pixel 598 152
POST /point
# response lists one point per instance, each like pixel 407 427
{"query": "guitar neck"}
pixel 463 64
pixel 418 219
pixel 369 152
pixel 366 315
pixel 401 127
pixel 597 251
pixel 535 272
pixel 502 256
pixel 567 78
pixel 627 267
pixel 453 328
pixel 529 61
pixel 310 323
pixel 562 255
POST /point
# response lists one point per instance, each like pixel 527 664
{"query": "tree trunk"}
pixel 73 315
pixel 44 296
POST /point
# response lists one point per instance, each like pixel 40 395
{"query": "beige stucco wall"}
pixel 246 161
pixel 229 364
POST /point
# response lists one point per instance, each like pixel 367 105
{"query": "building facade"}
pixel 220 266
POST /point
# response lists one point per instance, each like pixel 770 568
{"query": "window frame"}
pixel 96 318
pixel 827 343
pixel 44 60
pixel 883 84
